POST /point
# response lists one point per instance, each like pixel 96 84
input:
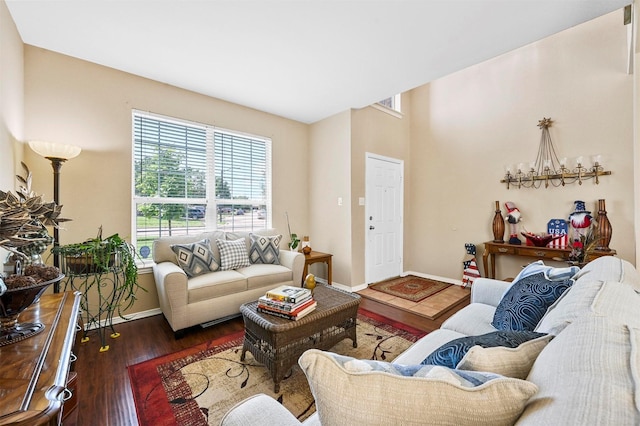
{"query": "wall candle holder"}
pixel 549 169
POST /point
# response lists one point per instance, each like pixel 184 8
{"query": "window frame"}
pixel 395 109
pixel 210 200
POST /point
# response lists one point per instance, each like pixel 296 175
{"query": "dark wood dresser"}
pixel 34 372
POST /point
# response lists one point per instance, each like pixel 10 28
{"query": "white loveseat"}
pixel 188 301
pixel 587 374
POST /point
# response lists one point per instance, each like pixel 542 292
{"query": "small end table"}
pixel 315 257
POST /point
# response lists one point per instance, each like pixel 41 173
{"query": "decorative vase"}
pixel 498 225
pixel 310 282
pixel 306 245
pixel 604 228
pixel 13 301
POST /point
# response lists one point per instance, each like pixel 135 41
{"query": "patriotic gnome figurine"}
pixel 513 217
pixel 580 221
pixel 470 267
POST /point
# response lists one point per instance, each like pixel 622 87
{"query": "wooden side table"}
pixel 33 377
pixel 315 257
pixel 491 250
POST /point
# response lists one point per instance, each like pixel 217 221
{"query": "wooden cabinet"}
pixel 491 250
pixel 33 372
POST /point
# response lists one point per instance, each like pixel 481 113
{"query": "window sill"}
pixel 389 111
pixel 145 266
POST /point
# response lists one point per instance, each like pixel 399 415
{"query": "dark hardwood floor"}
pixel 103 388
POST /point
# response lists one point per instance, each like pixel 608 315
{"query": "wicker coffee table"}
pixel 278 343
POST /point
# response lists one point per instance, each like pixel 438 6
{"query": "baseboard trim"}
pixel 130 317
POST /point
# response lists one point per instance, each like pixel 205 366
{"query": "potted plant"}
pixel 295 241
pixel 99 256
pixel 24 217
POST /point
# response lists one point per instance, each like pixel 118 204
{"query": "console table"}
pixel 491 250
pixel 33 372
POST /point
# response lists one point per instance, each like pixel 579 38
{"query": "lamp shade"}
pixel 55 150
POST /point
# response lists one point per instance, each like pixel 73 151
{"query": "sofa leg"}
pixel 179 334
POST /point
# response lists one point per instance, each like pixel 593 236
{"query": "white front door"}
pixel 383 217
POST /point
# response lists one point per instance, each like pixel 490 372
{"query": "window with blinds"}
pixel 190 178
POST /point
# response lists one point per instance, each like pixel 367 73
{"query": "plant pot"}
pixel 89 263
pixel 12 303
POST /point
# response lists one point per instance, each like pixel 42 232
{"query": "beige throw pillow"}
pixel 509 362
pixel 364 392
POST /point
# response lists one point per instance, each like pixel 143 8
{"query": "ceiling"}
pixel 300 59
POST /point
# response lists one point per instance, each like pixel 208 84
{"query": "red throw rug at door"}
pixel 197 386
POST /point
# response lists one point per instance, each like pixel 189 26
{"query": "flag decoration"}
pixel 558 227
pixel 470 268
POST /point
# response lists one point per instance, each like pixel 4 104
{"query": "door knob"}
pixel 372 227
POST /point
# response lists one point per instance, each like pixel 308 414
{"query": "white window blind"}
pixel 189 178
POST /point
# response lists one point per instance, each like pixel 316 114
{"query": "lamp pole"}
pixel 57 154
pixel 56 164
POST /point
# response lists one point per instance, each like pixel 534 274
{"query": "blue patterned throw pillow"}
pixel 195 258
pixel 264 249
pixel 525 303
pixel 450 354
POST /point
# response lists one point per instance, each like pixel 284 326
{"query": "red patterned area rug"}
pixel 410 287
pixel 197 386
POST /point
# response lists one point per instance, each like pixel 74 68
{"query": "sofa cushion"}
pixel 451 353
pixel 264 249
pixel 472 320
pixel 350 392
pixel 162 246
pixel 217 284
pixel 527 300
pixel 610 268
pixel 587 375
pixel 259 275
pixel 195 258
pixel 506 361
pixel 233 254
pixel 550 272
pixel 573 303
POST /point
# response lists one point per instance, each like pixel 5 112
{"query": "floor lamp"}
pixel 57 154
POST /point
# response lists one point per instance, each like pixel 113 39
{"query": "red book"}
pixel 291 313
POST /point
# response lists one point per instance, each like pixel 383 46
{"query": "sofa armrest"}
pixel 171 282
pixel 488 291
pixel 294 261
pixel 259 409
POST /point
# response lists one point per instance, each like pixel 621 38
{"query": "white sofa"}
pixel 587 374
pixel 211 296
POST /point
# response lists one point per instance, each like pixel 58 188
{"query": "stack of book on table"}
pixel 287 302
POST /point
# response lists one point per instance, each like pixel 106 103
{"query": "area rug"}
pixel 410 287
pixel 197 386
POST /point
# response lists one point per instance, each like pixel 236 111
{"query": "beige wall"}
pixel 456 134
pixel 377 132
pixel 329 169
pixel 11 102
pixel 11 98
pixel 466 126
pixel 76 102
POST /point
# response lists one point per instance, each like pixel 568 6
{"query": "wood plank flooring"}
pixel 103 388
pixel 427 315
